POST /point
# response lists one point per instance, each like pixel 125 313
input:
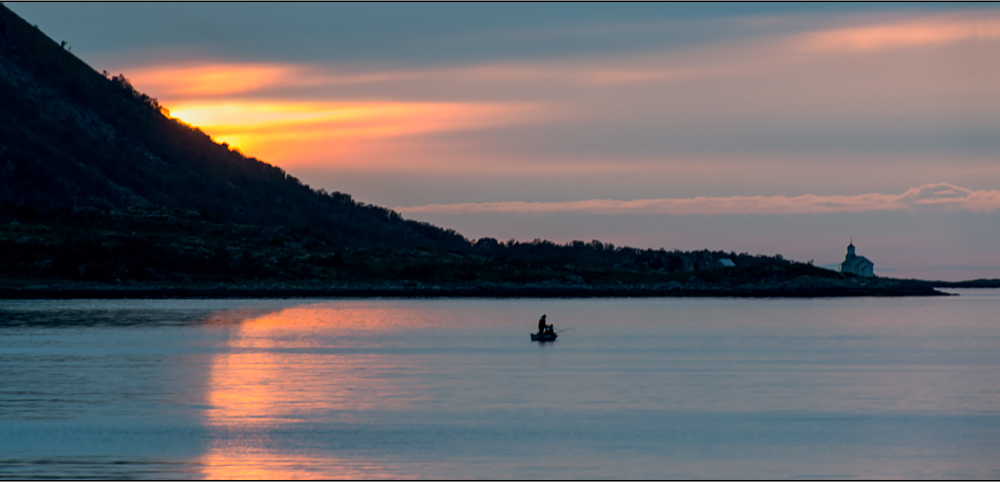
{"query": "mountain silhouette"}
pixel 99 185
pixel 71 137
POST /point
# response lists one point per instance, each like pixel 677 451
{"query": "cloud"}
pixel 912 33
pixel 282 131
pixel 654 62
pixel 210 79
pixel 935 197
pixel 678 116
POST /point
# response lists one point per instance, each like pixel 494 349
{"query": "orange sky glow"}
pixel 297 133
pixel 926 31
pixel 248 105
pixel 211 79
pixel 853 115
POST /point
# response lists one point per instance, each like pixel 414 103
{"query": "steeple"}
pixel 857 265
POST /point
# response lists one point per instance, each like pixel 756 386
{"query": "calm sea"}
pixel 633 388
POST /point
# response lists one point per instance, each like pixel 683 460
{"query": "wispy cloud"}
pixel 911 33
pixel 211 79
pixel 283 131
pixel 935 197
pixel 214 76
pixel 838 90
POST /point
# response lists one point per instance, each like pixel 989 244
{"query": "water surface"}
pixel 633 388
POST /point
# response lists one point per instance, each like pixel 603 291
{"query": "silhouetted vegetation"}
pixel 73 138
pixel 98 184
pixel 150 244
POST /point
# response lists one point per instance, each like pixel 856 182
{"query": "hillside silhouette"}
pixel 74 138
pixel 98 185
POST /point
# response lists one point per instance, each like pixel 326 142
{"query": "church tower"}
pixel 855 264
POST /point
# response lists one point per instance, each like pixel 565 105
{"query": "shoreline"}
pixel 280 290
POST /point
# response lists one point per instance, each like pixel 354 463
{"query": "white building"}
pixel 855 264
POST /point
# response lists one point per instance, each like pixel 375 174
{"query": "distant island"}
pixel 157 253
pixel 103 195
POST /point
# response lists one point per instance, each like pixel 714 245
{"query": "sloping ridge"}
pixel 72 137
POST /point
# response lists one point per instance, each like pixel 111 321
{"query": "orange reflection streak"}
pixel 274 376
pixel 256 464
pixel 256 385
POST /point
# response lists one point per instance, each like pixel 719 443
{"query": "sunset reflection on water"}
pixel 300 365
pixel 245 463
pixel 453 389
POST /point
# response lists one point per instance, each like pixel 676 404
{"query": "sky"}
pixel 760 128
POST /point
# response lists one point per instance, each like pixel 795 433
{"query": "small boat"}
pixel 544 336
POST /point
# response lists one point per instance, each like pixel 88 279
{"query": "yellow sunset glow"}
pixel 283 132
pixel 357 117
pixel 212 79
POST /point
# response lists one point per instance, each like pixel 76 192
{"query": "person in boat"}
pixel 542 326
